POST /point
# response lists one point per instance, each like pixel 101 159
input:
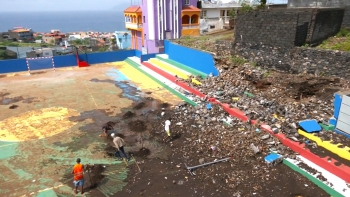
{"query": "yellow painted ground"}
pixel 172 70
pixel 341 152
pixel 145 84
pixel 36 124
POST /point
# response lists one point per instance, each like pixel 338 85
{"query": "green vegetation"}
pixel 238 61
pixel 339 42
pixel 8 43
pixel 79 42
pixel 38 37
pixel 3 55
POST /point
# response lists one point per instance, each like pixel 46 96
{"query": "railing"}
pixel 133 25
pixel 190 26
pixel 221 5
pixel 318 3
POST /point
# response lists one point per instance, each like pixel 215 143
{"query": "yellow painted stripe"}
pixel 172 70
pixel 144 83
pixel 341 152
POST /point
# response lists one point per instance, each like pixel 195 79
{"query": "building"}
pixel 54 37
pixel 215 14
pixel 122 39
pixel 22 34
pixel 155 20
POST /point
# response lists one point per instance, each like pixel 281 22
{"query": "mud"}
pixel 310 88
pixel 128 114
pixel 7 100
pixel 164 105
pixel 143 152
pixel 324 153
pixel 312 171
pixel 140 105
pixel 93 177
pixel 13 106
pixel 137 126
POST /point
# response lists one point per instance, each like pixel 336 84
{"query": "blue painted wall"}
pixel 64 61
pixel 138 53
pixel 9 66
pixel 110 56
pixel 196 59
pixel 146 57
pixel 337 104
pixel 18 65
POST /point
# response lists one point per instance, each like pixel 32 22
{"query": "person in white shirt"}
pixel 167 127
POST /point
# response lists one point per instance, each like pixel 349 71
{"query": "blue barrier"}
pixel 146 57
pixel 138 53
pixel 65 60
pixel 193 58
pixel 40 63
pixel 110 56
pixel 337 104
pixel 9 66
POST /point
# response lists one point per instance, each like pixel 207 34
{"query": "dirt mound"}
pixel 143 152
pixel 94 174
pixel 261 84
pixel 110 151
pixel 164 105
pixel 13 106
pixel 137 126
pixel 128 114
pixel 140 105
pixel 308 88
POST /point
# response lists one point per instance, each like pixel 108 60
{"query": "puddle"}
pixel 7 101
pixel 129 90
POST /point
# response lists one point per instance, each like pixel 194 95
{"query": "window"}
pixel 187 2
pixel 203 14
pixel 144 19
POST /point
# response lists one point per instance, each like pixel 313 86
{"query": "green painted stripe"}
pixel 319 183
pixel 184 67
pixel 176 93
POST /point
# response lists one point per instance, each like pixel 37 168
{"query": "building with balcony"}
pixel 54 37
pixel 153 21
pixel 20 33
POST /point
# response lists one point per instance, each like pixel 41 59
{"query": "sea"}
pixel 65 21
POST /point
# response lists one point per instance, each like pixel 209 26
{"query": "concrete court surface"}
pixel 49 119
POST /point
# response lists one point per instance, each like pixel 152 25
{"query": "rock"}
pixel 201 161
pixel 265 137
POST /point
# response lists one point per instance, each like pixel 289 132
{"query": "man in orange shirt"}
pixel 78 171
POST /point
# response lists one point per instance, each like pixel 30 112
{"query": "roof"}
pixel 20 30
pixel 190 9
pixel 133 8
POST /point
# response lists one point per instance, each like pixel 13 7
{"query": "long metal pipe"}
pixel 206 164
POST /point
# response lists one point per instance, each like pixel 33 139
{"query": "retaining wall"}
pixel 288 27
pixel 297 59
pixel 346 19
pixel 193 58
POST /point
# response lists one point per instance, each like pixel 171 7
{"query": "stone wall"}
pixel 292 60
pixel 297 59
pixel 288 27
pixel 346 19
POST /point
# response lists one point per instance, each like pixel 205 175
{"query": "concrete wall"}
pixel 346 19
pixel 193 58
pixel 327 24
pixel 288 28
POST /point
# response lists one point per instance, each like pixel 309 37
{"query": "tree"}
pixel 52 41
pixel 38 37
pixel 3 55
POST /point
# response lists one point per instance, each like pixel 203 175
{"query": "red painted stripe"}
pixel 341 171
pixel 173 79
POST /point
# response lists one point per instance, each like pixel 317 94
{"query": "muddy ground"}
pixel 163 168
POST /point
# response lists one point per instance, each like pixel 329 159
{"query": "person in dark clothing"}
pixel 105 128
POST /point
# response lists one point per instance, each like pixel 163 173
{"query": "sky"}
pixel 63 5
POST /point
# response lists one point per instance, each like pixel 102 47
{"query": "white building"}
pixel 215 13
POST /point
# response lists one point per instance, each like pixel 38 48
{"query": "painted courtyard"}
pixel 48 119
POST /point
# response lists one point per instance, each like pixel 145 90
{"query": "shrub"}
pixel 237 61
